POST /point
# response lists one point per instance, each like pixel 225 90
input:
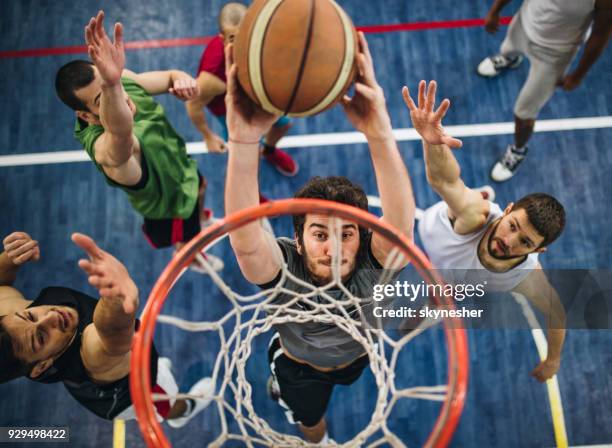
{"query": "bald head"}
pixel 231 15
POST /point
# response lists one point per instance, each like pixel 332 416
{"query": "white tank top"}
pixel 558 24
pixel 457 255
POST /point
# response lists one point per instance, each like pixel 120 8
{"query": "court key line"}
pixel 337 138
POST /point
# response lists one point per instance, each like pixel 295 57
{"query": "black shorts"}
pixel 167 232
pixel 304 390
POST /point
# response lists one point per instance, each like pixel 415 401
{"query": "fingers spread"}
pixel 421 95
pixel 118 34
pixel 408 99
pixel 87 244
pixel 442 110
pixel 431 96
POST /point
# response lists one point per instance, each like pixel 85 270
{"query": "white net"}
pixel 253 315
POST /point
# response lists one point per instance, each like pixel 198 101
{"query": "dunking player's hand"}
pixel 107 274
pixel 109 57
pixel 367 110
pixel 427 122
pixel 21 248
pixel 246 122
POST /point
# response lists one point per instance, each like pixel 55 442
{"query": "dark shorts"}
pixel 167 232
pixel 304 390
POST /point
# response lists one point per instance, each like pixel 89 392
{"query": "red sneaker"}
pixel 263 199
pixel 283 162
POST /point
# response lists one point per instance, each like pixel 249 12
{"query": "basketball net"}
pixel 256 314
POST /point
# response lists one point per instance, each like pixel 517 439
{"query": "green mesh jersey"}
pixel 171 190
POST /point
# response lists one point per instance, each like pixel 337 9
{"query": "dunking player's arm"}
pixel 117 149
pixel 468 211
pixel 106 344
pixel 367 112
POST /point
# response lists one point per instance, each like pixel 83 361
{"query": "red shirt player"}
pixel 211 80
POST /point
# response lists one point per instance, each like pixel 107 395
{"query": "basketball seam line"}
pixel 298 81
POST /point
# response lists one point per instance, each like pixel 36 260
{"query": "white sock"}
pixel 325 439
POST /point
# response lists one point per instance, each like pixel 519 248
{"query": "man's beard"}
pixel 322 280
pixel 490 245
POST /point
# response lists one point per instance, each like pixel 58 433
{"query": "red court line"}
pixel 187 41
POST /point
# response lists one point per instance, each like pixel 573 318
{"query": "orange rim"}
pixel 456 339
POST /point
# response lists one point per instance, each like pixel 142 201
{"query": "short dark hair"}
pixel 334 188
pixel 71 77
pixel 545 213
pixel 11 366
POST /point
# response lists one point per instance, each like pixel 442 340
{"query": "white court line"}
pixel 338 138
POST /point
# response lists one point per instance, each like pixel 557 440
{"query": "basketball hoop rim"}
pixel 456 338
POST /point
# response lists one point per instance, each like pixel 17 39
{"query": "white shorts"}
pixel 547 67
pixel 166 384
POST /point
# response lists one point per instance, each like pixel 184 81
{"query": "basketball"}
pixel 296 57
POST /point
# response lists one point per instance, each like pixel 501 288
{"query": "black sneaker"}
pixel 506 167
pixel 272 388
pixel 493 65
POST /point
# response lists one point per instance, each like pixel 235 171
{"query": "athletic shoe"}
pixel 204 390
pixel 215 262
pixel 283 162
pixel 506 167
pixel 207 218
pixel 273 388
pixel 493 65
pixel 487 192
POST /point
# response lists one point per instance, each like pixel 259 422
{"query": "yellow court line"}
pixel 118 433
pixel 552 385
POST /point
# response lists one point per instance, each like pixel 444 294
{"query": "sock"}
pixel 189 405
pixel 267 149
pixel 521 150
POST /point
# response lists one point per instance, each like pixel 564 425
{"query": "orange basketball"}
pixel 296 57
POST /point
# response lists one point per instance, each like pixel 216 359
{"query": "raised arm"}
pixel 116 146
pixel 594 46
pixel 209 87
pixel 253 246
pixel 367 111
pixel 108 342
pixel 467 208
pixel 538 290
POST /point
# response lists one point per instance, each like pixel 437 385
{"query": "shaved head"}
pixel 231 15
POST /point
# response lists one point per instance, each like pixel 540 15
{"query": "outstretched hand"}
pixel 367 110
pixel 107 274
pixel 109 57
pixel 246 121
pixel 427 122
pixel 21 248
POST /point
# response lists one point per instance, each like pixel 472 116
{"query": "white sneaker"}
pixel 205 390
pixel 509 163
pixel 215 263
pixel 494 65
